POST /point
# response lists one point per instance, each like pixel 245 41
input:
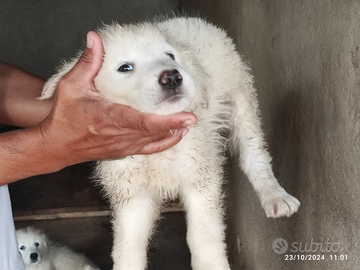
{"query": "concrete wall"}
pixel 37 34
pixel 305 56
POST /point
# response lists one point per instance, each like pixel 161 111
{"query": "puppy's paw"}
pixel 280 204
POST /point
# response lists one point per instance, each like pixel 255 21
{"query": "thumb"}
pixel 90 61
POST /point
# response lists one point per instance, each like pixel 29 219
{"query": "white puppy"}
pixel 181 64
pixel 39 253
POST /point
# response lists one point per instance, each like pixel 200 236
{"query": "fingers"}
pixel 89 64
pixel 165 143
pixel 154 123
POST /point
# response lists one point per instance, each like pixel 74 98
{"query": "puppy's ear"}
pixel 51 84
pixel 44 242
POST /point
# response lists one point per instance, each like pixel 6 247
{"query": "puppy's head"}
pixel 141 69
pixel 32 245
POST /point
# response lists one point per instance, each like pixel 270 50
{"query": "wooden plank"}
pixel 84 212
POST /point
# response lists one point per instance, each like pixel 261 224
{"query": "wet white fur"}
pixel 218 88
pixel 50 256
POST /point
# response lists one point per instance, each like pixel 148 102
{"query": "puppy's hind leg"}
pixel 205 228
pixel 133 224
pixel 247 139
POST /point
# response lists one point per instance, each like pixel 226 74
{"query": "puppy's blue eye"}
pixel 125 68
pixel 22 248
pixel 37 244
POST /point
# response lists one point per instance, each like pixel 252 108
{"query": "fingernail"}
pixel 189 122
pixel 89 41
pixel 186 131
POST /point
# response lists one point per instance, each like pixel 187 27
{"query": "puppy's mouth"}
pixel 172 104
pixel 170 82
pixel 172 96
pixel 35 258
pixel 174 99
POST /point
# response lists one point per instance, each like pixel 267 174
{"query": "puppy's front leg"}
pixel 256 164
pixel 133 224
pixel 247 138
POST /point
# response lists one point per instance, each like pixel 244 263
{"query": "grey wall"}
pixel 305 56
pixel 36 34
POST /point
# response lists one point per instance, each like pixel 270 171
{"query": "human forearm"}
pixel 24 154
pixel 18 92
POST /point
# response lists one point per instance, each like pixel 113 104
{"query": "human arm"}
pixel 19 90
pixel 82 126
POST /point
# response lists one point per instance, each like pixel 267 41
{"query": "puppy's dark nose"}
pixel 33 256
pixel 170 79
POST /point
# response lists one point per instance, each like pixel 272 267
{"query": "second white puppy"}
pixel 181 64
pixel 40 253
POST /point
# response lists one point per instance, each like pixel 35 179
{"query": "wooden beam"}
pixel 77 212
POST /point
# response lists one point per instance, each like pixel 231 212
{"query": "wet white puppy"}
pixel 181 64
pixel 39 253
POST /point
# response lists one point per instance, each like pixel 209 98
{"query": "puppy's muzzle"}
pixel 34 257
pixel 170 80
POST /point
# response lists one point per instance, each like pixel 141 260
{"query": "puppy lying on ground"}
pixel 181 64
pixel 39 253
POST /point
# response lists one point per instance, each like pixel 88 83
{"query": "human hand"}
pixel 83 126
